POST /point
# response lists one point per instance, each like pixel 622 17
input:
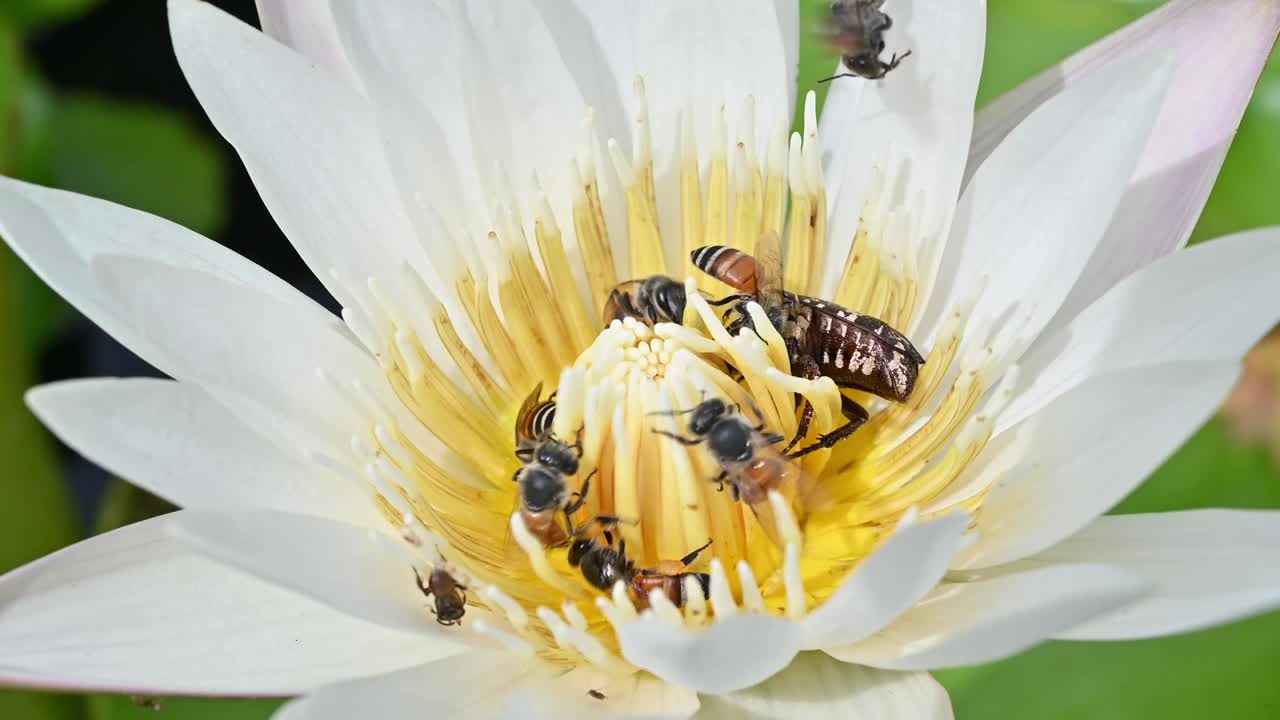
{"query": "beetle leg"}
pixel 808 369
pixel 854 413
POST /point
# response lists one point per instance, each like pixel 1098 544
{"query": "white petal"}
pixel 363 573
pixel 789 28
pixel 639 696
pixel 308 27
pixel 698 56
pixel 1208 566
pixel 1080 455
pixel 734 653
pixel 1207 303
pixel 417 65
pixel 134 611
pixel 470 685
pixel 815 686
pixel 176 441
pixel 1207 96
pixel 976 622
pixel 308 140
pixel 900 572
pixel 482 684
pixel 922 113
pixel 1030 218
pixel 696 59
pixel 225 336
pixel 56 233
pixel 527 107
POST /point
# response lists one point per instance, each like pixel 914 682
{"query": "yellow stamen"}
pixel 625 397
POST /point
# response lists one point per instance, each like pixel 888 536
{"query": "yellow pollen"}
pixel 522 310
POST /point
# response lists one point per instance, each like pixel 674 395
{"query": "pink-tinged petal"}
pixel 1029 220
pixel 817 686
pixel 1061 468
pixel 133 611
pixel 308 27
pixel 900 572
pixel 966 623
pixel 734 653
pixel 174 439
pixel 1208 566
pixel 1220 47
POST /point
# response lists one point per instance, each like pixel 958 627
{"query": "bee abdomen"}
pixel 728 265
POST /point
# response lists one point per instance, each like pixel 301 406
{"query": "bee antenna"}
pixel 670 413
pixel 837 77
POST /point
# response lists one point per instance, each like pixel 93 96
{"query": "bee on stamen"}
pixel 603 565
pixel 543 491
pixel 856 29
pixel 650 300
pixel 856 351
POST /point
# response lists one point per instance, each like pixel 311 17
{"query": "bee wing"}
pixel 522 417
pixel 768 257
pixel 619 304
pixel 803 492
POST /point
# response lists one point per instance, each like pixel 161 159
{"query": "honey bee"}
pixel 450 595
pixel 856 29
pixel 736 446
pixel 543 492
pixel 856 351
pixel 747 462
pixel 604 565
pixel 652 300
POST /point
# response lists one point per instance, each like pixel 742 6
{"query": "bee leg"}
pixel 682 439
pixel 422 584
pixel 856 416
pixel 577 442
pixel 688 560
pixel 574 506
pixel 730 298
pixel 836 77
pixel 462 590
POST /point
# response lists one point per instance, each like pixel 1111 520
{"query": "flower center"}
pixel 677 494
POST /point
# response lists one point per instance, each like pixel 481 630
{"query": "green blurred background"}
pixel 91 100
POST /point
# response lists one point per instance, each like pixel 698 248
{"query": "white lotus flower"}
pixel 444 170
